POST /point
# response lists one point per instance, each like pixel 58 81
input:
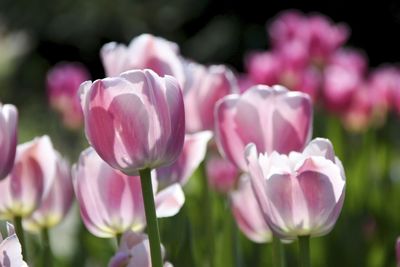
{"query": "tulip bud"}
pixel 8 138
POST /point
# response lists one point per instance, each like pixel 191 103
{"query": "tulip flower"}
pixel 300 194
pixel 134 121
pixel 29 181
pixel 271 117
pixel 63 82
pixel 10 250
pixel 221 174
pixel 8 140
pixel 56 203
pixel 193 153
pixel 203 88
pixel 144 52
pixel 247 213
pixel 111 202
pixel 133 251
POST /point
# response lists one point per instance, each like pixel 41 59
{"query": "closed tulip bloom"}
pixel 246 211
pixel 111 202
pixel 300 194
pixel 62 88
pixel 10 250
pixel 134 121
pixel 203 88
pixel 222 175
pixel 8 138
pixel 56 203
pixel 193 153
pixel 29 181
pixel 144 52
pixel 272 118
pixel 133 251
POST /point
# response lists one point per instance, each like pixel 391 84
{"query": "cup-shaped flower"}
pixel 272 118
pixel 56 203
pixel 29 181
pixel 62 88
pixel 246 211
pixel 8 138
pixel 300 194
pixel 134 250
pixel 222 175
pixel 111 202
pixel 10 250
pixel 193 153
pixel 134 121
pixel 144 52
pixel 204 86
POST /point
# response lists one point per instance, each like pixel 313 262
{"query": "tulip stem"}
pixel 118 238
pixel 151 218
pixel 279 256
pixel 304 243
pixel 47 252
pixel 20 234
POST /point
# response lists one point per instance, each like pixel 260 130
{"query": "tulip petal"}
pixel 169 201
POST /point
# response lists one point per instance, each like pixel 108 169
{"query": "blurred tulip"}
pixel 111 202
pixel 300 194
pixel 358 116
pixel 56 203
pixel 144 52
pixel 244 82
pixel 63 82
pixel 350 59
pixel 247 213
pixel 222 175
pixel 134 121
pixel 270 117
pixel 193 153
pixel 8 138
pixel 134 250
pixel 398 251
pixel 10 250
pixel 29 181
pixel 203 88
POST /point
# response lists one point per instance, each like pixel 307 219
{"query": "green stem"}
pixel 304 243
pixel 279 256
pixel 20 234
pixel 47 252
pixel 209 219
pixel 118 239
pixel 151 219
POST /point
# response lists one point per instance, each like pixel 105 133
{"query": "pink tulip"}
pixel 8 140
pixel 134 251
pixel 270 117
pixel 56 203
pixel 29 181
pixel 111 202
pixel 10 250
pixel 203 88
pixel 247 213
pixel 350 59
pixel 221 174
pixel 134 121
pixel 144 52
pixel 300 194
pixel 62 87
pixel 193 153
pixel 244 82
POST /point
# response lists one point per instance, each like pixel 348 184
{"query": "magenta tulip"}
pixel 133 251
pixel 29 181
pixel 271 117
pixel 63 82
pixel 8 138
pixel 193 153
pixel 247 213
pixel 134 121
pixel 111 202
pixel 203 88
pixel 300 194
pixel 144 52
pixel 10 250
pixel 56 203
pixel 222 175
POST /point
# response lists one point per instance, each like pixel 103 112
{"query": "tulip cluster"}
pixel 308 55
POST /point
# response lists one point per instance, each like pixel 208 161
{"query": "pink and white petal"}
pixel 169 201
pixel 320 147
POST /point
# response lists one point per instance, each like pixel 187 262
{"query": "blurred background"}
pixel 35 35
